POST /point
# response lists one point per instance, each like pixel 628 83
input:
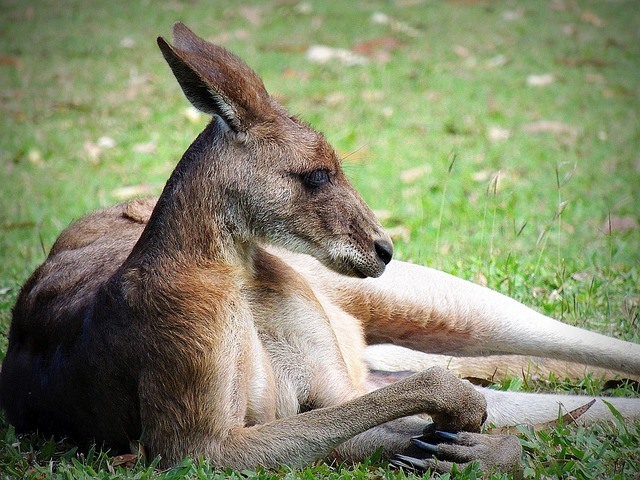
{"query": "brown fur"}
pixel 171 324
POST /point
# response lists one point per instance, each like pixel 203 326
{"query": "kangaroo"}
pixel 183 332
pixel 235 317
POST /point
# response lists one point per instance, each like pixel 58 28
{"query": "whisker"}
pixel 354 152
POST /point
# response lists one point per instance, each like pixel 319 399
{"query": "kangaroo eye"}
pixel 315 178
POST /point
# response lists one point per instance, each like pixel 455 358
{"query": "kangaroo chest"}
pixel 296 364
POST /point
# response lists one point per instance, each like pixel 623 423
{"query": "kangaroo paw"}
pixel 501 453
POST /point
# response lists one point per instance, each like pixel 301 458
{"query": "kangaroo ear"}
pixel 215 81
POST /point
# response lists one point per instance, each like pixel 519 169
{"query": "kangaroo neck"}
pixel 198 215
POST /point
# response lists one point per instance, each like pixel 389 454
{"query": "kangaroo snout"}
pixel 375 261
pixel 384 250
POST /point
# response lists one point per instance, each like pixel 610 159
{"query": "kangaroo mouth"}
pixel 347 257
pixel 374 274
pixel 354 263
pixel 359 274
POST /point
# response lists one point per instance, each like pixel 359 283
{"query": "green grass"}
pixel 72 72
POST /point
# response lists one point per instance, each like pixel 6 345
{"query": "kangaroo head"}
pixel 283 177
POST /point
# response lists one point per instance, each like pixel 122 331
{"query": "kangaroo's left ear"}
pixel 216 81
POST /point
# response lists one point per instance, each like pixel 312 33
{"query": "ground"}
pixel 497 141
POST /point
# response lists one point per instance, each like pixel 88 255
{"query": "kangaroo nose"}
pixel 384 250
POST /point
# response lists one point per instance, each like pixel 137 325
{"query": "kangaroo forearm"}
pixel 303 438
pixel 299 439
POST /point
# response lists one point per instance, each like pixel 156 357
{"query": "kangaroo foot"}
pixel 440 451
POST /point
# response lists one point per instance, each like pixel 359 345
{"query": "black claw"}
pixel 428 447
pixel 409 462
pixel 453 437
pixel 400 464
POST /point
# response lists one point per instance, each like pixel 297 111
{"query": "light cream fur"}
pixel 416 317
